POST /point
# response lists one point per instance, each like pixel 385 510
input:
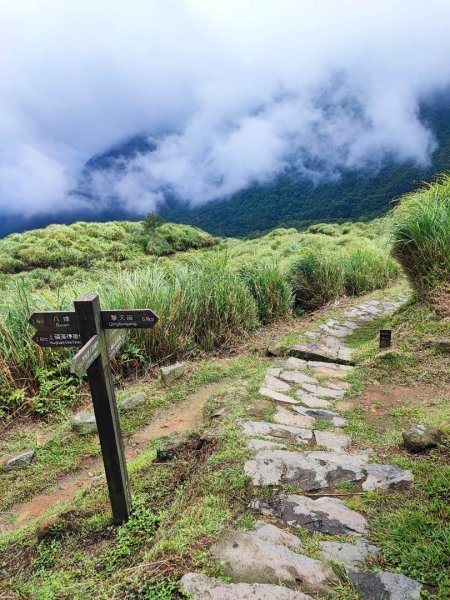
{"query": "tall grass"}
pixel 421 235
pixel 270 289
pixel 204 298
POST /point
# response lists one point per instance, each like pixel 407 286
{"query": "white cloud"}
pixel 231 92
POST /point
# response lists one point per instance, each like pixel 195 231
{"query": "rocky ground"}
pixel 295 450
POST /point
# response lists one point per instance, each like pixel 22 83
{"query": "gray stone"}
pixel 172 373
pixel 274 384
pixel 421 437
pixel 17 461
pixel 297 377
pixel 312 401
pixel 325 415
pixel 322 392
pixel 340 458
pixel 274 371
pixel 350 555
pixel 296 435
pixel 332 441
pixel 257 444
pixel 385 476
pixel 312 334
pixel 286 417
pixel 275 349
pixel 201 587
pixel 295 363
pixel 326 515
pixel 329 372
pixel 278 396
pixel 338 385
pixel 84 423
pixel 277 536
pixel 275 467
pixel 334 366
pixel 385 586
pixel 133 402
pixel 248 559
pixel 323 353
pixel 336 331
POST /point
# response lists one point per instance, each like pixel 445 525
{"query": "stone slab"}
pixel 385 586
pixel 323 353
pixel 84 423
pixel 349 554
pixel 297 435
pixel 287 417
pixel 248 559
pixel 275 535
pixel 275 384
pixel 325 515
pixel 322 392
pixel 277 396
pixel 332 441
pixel 325 415
pixel 312 401
pixel 172 373
pixel 17 461
pixel 275 467
pixel 257 444
pixel 201 587
pixel 385 476
pixel 297 377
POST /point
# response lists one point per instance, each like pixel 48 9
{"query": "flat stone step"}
pixel 312 401
pixel 277 396
pixel 332 441
pixel 201 587
pixel 248 559
pixel 349 554
pixel 275 384
pixel 297 435
pixel 284 416
pixel 385 586
pixel 257 444
pixel 297 377
pixel 326 515
pixel 275 535
pixel 275 467
pixel 324 415
pixel 323 353
pixel 323 392
pixel 295 363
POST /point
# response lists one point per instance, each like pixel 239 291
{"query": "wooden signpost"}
pixel 100 333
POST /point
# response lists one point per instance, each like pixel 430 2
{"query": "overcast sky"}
pixel 232 92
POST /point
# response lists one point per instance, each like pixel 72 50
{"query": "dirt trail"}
pixel 182 417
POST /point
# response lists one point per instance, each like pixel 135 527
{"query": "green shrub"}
pixel 270 289
pixel 367 269
pixel 316 278
pixel 421 232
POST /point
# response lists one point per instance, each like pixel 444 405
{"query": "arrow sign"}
pixel 114 340
pixel 57 320
pixel 84 358
pixel 128 319
pixel 56 340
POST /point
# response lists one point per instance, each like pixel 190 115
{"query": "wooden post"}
pixel 385 338
pixel 87 308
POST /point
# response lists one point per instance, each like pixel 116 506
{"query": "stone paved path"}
pixel 297 450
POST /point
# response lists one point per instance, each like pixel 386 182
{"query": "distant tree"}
pixel 152 221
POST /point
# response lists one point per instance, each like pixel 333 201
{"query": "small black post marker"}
pixel 385 338
pixel 87 309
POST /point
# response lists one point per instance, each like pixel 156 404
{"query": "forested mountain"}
pixel 295 202
pixel 290 200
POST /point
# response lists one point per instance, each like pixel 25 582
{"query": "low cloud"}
pixel 229 94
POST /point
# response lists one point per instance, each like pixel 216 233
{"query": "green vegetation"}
pixel 422 235
pixel 93 244
pixel 205 298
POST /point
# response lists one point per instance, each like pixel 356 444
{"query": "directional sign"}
pixel 128 319
pixel 84 358
pixel 55 321
pixel 114 340
pixel 56 340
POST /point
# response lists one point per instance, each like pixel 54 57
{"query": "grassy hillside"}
pixel 94 244
pixel 204 297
